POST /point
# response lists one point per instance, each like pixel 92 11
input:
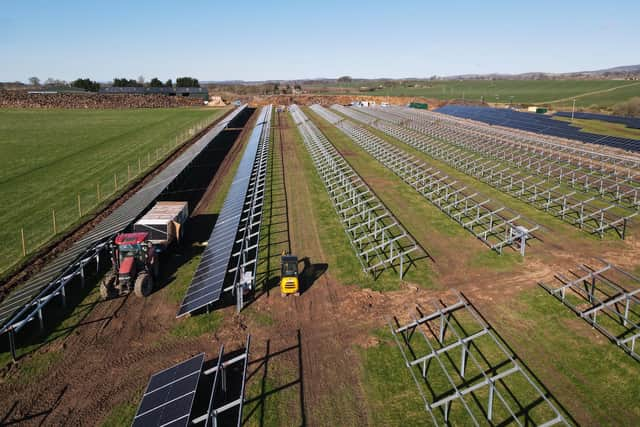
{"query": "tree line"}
pixel 93 86
pixel 155 82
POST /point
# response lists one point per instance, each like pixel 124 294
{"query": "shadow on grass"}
pixel 257 403
pixel 537 380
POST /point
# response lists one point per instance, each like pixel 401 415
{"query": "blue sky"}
pixel 256 40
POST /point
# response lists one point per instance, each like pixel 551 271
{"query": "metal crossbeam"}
pixel 536 190
pixel 251 220
pixel 609 183
pixel 567 150
pixel 600 291
pixel 442 334
pixel 377 238
pixel 219 388
pixel 493 225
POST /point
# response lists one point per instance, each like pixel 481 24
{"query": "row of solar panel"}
pixel 17 304
pixel 537 123
pixel 630 122
pixel 207 283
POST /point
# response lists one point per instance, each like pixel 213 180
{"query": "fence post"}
pixel 128 172
pixel 139 165
pixel 149 158
pixel 24 246
pixel 79 207
pixel 53 213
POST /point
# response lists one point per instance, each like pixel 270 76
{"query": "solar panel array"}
pixel 208 282
pixel 26 301
pixel 452 141
pixel 169 396
pixel 537 123
pixel 593 157
pixel 616 184
pixel 630 122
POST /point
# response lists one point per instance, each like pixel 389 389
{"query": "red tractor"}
pixel 135 264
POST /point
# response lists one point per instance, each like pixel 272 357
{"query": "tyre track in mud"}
pixel 77 387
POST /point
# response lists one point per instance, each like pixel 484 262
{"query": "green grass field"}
pixel 72 161
pixel 603 93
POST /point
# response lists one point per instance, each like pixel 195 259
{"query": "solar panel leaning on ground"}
pixel 537 123
pixel 169 396
pixel 630 122
pixel 27 300
pixel 207 283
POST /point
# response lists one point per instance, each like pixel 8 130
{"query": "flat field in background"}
pixel 603 93
pixel 49 158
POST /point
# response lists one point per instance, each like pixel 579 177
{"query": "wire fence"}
pixel 23 239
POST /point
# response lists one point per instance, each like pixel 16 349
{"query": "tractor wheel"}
pixel 143 285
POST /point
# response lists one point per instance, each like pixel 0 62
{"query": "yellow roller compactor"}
pixel 289 275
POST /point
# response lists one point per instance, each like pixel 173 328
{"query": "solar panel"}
pixel 207 283
pixel 169 396
pixel 538 123
pixel 17 305
pixel 630 122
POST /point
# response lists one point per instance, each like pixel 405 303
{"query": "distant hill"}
pixel 619 72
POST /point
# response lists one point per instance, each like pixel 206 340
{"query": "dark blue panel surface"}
pixel 631 122
pixel 537 123
pixel 169 395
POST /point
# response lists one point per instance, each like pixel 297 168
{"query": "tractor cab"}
pixel 135 266
pixel 289 275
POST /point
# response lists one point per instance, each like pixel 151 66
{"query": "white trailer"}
pixel 164 223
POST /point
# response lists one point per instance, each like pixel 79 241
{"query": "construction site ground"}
pixel 326 358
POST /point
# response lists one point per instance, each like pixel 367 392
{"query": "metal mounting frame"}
pixel 219 402
pixel 494 225
pixel 618 186
pixel 597 291
pixel 251 221
pixel 377 238
pixel 531 189
pixel 447 329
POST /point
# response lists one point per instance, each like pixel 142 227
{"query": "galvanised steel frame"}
pixel 55 289
pixel 585 154
pixel 496 226
pixel 595 218
pixel 377 238
pixel 609 184
pixel 244 261
pixel 220 386
pixel 593 291
pixel 486 387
